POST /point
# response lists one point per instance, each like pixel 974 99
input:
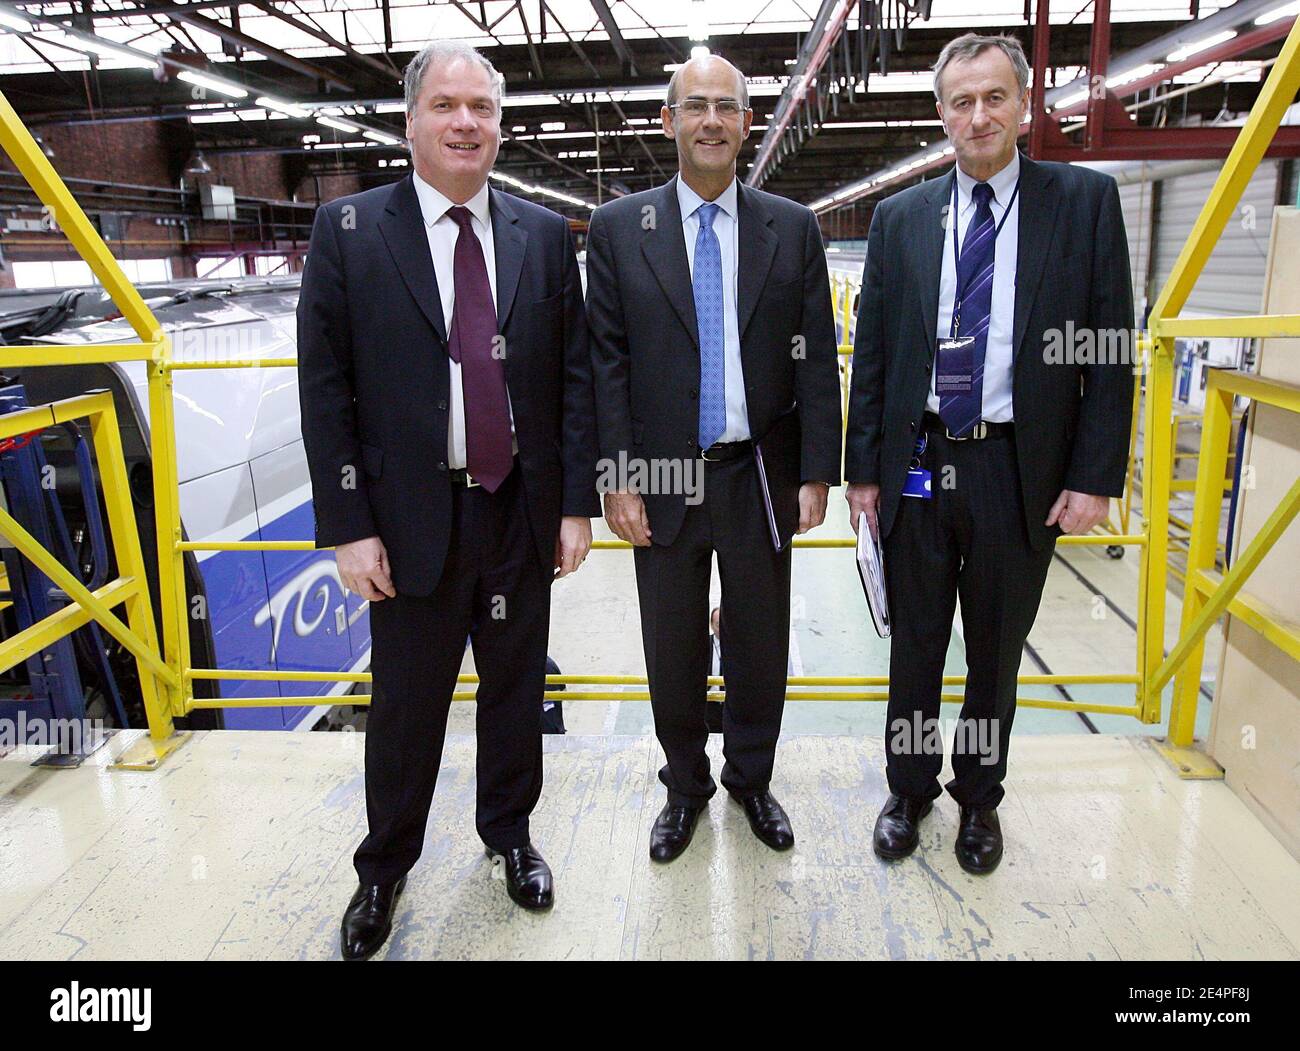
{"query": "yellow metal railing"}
pixel 168 676
pixel 1207 596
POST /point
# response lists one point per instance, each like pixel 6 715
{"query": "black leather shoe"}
pixel 528 877
pixel 767 819
pixel 979 841
pixel 898 828
pixel 672 831
pixel 369 919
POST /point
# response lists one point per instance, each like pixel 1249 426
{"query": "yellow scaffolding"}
pixel 167 675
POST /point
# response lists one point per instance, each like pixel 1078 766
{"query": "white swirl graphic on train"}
pixel 300 588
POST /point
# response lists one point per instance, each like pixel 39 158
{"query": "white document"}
pixel 871 571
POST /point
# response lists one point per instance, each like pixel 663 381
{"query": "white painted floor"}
pixel 240 848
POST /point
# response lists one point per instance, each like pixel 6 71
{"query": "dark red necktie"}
pixel 472 342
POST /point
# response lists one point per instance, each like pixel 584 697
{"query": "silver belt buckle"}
pixel 980 430
pixel 470 483
pixel 704 456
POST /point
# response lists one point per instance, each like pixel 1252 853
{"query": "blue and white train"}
pixel 242 472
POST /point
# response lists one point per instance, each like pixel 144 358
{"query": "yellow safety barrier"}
pixel 1206 596
pixel 168 676
pixel 160 680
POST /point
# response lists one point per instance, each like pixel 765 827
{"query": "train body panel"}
pixel 243 476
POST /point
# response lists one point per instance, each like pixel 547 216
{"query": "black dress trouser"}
pixel 673 591
pixel 967 542
pixel 493 589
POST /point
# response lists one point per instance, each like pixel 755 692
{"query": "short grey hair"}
pixel 442 51
pixel 967 46
pixel 675 83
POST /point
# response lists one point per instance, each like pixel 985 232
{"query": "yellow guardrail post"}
pixel 1201 551
pixel 1152 570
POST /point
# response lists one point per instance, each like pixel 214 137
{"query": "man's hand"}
pixel 863 499
pixel 1078 513
pixel 363 565
pixel 812 505
pixel 572 545
pixel 625 514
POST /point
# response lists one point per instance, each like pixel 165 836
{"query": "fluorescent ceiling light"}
pixel 221 87
pixel 288 108
pixel 700 51
pixel 14 22
pixel 1208 42
pixel 697 22
pixel 341 125
pixel 1285 11
pixel 381 137
pixel 545 191
pixel 106 50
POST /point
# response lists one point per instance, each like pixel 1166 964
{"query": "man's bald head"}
pixel 704 66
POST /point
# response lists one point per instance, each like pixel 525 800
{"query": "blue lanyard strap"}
pixel 956 250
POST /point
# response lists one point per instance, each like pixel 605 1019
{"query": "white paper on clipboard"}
pixel 871 571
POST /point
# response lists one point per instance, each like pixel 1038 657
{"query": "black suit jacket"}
pixel 1072 416
pixel 374 376
pixel 645 340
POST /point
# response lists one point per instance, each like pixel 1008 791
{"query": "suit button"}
pixel 695 394
pixel 442 405
pixel 442 465
pixel 690 443
pixel 927 368
pixel 911 425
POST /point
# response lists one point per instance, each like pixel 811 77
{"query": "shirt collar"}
pixel 1003 183
pixel 434 205
pixel 690 202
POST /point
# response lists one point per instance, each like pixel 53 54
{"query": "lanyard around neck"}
pixel 956 250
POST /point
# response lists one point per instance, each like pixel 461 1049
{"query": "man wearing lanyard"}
pixel 970 446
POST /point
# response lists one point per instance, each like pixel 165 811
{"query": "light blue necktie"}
pixel 706 283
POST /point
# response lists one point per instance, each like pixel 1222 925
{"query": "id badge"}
pixel 955 373
pixel 917 482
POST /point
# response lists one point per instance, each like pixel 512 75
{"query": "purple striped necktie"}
pixel 472 342
pixel 960 412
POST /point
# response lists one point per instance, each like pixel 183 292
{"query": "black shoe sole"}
pixel 531 906
pixel 899 855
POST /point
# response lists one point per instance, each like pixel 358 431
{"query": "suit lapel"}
pixel 664 248
pixel 402 227
pixel 509 242
pixel 1037 222
pixel 757 250
pixel 931 229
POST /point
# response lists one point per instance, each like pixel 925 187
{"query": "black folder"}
pixel 778 455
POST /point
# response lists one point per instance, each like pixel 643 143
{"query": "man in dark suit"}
pixel 712 337
pixel 972 442
pixel 447 416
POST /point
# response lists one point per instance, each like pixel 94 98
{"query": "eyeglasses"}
pixel 727 109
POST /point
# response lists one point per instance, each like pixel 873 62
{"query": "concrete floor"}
pixel 240 848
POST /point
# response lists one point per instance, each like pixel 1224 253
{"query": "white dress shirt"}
pixel 442 231
pixel 726 227
pixel 996 399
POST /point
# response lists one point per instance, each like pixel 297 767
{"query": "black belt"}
pixel 726 450
pixel 983 429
